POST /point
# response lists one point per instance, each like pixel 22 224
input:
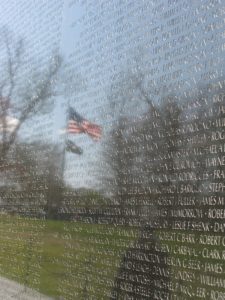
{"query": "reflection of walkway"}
pixel 12 290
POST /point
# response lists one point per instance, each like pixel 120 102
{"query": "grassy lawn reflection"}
pixel 62 258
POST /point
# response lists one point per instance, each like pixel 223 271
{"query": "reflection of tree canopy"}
pixel 153 158
pixel 34 179
pixel 33 185
pixel 148 139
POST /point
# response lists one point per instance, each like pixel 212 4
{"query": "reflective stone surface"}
pixel 112 153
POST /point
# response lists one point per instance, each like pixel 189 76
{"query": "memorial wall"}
pixel 112 152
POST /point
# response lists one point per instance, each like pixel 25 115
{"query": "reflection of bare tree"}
pixel 22 90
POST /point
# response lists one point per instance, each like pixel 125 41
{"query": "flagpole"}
pixel 63 161
pixel 65 139
pixel 64 146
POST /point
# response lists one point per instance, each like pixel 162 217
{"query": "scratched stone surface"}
pixel 112 153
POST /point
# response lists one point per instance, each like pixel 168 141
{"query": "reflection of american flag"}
pixel 78 124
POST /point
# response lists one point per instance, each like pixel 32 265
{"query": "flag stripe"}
pixel 78 124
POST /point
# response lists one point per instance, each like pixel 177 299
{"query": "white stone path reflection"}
pixel 14 291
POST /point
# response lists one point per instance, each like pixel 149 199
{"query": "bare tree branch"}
pixel 35 95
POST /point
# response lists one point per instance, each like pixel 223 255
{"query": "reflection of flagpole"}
pixel 63 160
pixel 64 145
pixel 62 167
pixel 55 197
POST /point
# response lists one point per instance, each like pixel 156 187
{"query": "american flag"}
pixel 77 124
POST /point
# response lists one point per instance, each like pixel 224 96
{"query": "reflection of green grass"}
pixel 76 259
pixel 61 258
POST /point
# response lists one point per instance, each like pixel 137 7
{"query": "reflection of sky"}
pixel 177 44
